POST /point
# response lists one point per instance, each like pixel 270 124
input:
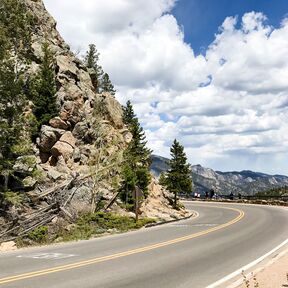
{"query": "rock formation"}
pixel 77 158
pixel 159 204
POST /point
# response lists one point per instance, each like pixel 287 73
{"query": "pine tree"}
pixel 137 148
pixel 43 89
pixel 137 157
pixel 107 85
pixel 16 24
pixel 179 175
pixel 163 179
pixel 92 57
pixel 11 106
pixel 15 47
pixel 96 72
pixel 128 113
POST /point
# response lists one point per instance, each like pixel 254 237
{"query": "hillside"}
pixel 244 182
pixel 73 164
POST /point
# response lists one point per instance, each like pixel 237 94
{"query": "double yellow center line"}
pixel 122 254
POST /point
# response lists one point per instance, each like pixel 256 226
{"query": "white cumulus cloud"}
pixel 228 107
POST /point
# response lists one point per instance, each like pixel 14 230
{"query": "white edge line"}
pixel 246 267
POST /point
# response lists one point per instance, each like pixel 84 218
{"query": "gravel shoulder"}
pixel 273 275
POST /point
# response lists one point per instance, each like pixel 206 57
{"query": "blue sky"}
pixel 201 18
pixel 211 73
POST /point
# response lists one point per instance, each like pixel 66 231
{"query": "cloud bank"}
pixel 228 107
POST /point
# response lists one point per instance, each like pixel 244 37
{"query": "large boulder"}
pixel 66 65
pixel 8 246
pixel 127 136
pixel 48 137
pixel 110 109
pixel 57 122
pixel 80 129
pixel 68 138
pixel 64 147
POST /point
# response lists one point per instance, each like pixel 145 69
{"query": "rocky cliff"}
pixel 89 134
pixel 76 161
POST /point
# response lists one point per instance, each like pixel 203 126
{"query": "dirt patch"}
pixel 274 274
pixel 8 246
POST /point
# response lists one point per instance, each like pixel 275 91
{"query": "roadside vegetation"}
pixel 87 226
pixel 275 192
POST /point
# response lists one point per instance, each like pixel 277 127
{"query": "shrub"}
pixel 13 198
pixel 98 223
pixel 39 234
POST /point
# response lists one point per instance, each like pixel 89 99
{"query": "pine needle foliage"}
pixel 16 25
pixel 107 85
pixel 137 157
pixel 91 61
pixel 43 89
pixel 100 80
pixel 178 178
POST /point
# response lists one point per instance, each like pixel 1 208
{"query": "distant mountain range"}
pixel 245 182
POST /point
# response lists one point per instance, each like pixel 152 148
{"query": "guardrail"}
pixel 243 197
pixel 256 197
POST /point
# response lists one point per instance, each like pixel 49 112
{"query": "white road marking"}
pixel 46 256
pixel 246 267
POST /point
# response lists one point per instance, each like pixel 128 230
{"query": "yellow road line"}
pixel 125 253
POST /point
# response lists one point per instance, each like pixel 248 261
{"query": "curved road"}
pixel 191 253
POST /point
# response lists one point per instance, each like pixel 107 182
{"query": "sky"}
pixel 212 74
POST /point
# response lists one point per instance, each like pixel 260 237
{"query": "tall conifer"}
pixel 95 70
pixel 43 89
pixel 107 85
pixel 15 46
pixel 137 157
pixel 179 175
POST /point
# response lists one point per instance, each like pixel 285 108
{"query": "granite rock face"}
pixel 88 133
pixel 78 156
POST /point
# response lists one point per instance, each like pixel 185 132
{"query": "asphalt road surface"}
pixel 190 253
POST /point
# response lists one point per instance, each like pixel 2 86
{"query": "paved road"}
pixel 191 253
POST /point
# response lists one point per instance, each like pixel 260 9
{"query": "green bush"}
pixel 98 223
pixel 13 198
pixel 39 234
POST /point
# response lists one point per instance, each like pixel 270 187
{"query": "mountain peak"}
pixel 244 182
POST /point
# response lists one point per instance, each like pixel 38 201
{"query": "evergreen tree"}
pixel 137 157
pixel 16 25
pixel 11 108
pixel 179 175
pixel 128 113
pixel 15 47
pixel 43 89
pixel 137 148
pixel 96 72
pixel 163 179
pixel 92 57
pixel 107 85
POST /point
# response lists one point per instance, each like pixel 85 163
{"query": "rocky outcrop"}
pixel 78 156
pixel 58 123
pixel 48 137
pixel 87 134
pixel 159 204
